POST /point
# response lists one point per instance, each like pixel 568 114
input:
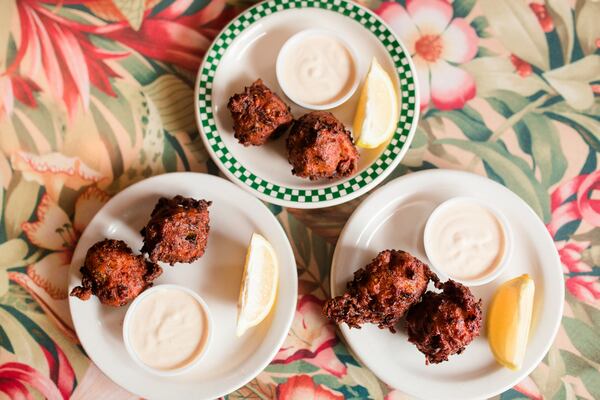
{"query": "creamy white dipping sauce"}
pixel 466 240
pixel 169 329
pixel 318 69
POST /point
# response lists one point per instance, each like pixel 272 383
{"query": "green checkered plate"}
pixel 247 49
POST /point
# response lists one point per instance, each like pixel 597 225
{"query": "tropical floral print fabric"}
pixel 98 94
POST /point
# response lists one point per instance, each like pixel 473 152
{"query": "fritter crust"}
pixel 443 324
pixel 381 292
pixel 320 147
pixel 258 114
pixel 177 231
pixel 114 274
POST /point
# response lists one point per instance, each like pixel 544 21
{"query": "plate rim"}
pixel 366 180
pixel 557 323
pixel 284 238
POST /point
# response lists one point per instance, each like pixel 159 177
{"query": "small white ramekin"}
pixel 283 52
pixel 131 311
pixel 508 240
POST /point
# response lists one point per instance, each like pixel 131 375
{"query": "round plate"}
pixel 229 362
pixel 247 49
pixel 394 218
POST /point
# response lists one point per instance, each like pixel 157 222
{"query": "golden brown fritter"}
pixel 258 114
pixel 114 274
pixel 320 147
pixel 444 323
pixel 177 230
pixel 381 292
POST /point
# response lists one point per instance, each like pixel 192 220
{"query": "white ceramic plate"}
pixel 394 218
pixel 247 49
pixel 229 362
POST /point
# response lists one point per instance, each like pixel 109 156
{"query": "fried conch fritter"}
pixel 114 274
pixel 382 292
pixel 443 324
pixel 320 147
pixel 258 114
pixel 177 230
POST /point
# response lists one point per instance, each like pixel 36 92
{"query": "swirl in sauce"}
pixel 169 329
pixel 467 241
pixel 318 70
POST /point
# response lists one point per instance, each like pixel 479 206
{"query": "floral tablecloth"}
pixel 97 94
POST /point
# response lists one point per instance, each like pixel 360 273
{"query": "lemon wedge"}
pixel 377 113
pixel 509 319
pixel 259 284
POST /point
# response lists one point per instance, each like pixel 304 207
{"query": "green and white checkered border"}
pixel 385 161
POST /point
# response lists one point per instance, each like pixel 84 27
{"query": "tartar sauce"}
pixel 466 240
pixel 318 69
pixel 169 329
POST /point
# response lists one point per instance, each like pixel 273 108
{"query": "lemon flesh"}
pixel 509 320
pixel 377 113
pixel 259 284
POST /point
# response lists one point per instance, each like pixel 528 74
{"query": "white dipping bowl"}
pixel 284 52
pixel 131 312
pixel 439 269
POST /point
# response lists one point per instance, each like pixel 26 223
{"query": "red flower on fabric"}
pixel 572 201
pixel 583 206
pixel 586 288
pixel 311 338
pixel 570 257
pixel 523 67
pixel 70 63
pixel 529 388
pixel 438 43
pixel 172 36
pixel 15 376
pixel 16 86
pixel 541 12
pixel 18 379
pixel 302 387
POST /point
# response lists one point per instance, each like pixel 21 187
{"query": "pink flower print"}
pixel 583 207
pixel 302 387
pixel 585 288
pixel 311 338
pixel 545 19
pixel 523 68
pixel 437 44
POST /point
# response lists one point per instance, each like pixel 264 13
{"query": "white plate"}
pixel 229 362
pixel 394 218
pixel 247 49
